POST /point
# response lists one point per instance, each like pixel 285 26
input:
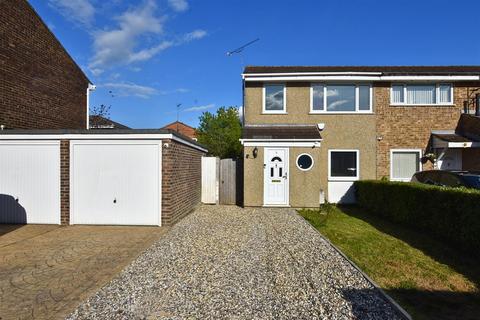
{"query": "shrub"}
pixel 449 213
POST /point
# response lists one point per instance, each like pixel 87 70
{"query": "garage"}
pixel 30 182
pixel 98 177
pixel 115 182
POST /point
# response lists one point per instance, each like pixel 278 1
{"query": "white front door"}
pixel 275 175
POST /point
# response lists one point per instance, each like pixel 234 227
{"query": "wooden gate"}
pixel 221 181
pixel 210 179
pixel 228 181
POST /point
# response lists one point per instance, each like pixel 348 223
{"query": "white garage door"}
pixel 30 182
pixel 115 182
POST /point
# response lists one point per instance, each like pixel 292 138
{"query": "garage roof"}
pixel 45 134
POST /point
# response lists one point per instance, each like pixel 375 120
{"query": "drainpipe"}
pixel 477 105
pixel 90 87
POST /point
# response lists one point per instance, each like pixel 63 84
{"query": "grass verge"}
pixel 428 278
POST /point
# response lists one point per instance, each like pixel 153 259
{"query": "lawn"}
pixel 427 277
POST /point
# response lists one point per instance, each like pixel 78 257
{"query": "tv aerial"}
pixel 240 49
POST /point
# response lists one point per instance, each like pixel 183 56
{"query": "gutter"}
pixel 91 87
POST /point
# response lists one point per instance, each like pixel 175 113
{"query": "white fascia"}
pixel 309 143
pixel 353 77
pixel 79 136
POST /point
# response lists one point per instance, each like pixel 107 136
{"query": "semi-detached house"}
pixel 310 132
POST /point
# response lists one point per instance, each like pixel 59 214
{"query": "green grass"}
pixel 429 278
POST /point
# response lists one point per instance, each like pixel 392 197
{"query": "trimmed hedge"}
pixel 449 213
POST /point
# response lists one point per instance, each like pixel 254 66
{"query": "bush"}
pixel 449 213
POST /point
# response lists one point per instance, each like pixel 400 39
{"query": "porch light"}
pixel 255 152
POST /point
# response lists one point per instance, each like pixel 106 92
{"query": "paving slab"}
pixel 46 271
pixel 225 262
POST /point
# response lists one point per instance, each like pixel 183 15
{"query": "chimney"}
pixel 477 105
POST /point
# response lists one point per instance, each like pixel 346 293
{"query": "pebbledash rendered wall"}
pixel 181 180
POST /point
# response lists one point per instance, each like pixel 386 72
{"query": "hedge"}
pixel 449 213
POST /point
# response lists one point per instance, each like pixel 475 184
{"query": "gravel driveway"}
pixel 225 262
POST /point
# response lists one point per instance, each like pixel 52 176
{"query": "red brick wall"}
pixel 410 127
pixel 65 181
pixel 181 181
pixel 40 85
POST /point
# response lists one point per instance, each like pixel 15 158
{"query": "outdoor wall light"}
pixel 255 152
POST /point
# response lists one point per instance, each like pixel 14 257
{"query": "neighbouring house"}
pixel 310 132
pixel 182 128
pixel 99 122
pixel 41 85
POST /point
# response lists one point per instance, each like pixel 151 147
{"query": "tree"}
pixel 98 115
pixel 221 132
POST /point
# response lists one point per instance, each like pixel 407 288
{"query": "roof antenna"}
pixel 240 49
pixel 178 113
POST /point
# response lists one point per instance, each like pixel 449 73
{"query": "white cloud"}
pixel 200 108
pixel 118 46
pixel 178 5
pixel 240 113
pixel 194 35
pixel 80 11
pixel 125 89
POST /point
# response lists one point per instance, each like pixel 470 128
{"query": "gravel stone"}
pixel 225 262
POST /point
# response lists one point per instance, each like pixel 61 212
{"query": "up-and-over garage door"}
pixel 30 182
pixel 115 182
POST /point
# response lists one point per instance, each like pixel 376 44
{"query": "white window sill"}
pixel 343 179
pixel 422 105
pixel 400 179
pixel 266 112
pixel 338 112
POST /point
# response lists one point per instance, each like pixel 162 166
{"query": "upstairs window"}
pixel 340 98
pixel 422 94
pixel 274 98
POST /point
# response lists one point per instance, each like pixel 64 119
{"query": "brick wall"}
pixel 65 181
pixel 410 127
pixel 40 85
pixel 181 181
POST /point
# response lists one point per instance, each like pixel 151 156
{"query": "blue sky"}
pixel 148 56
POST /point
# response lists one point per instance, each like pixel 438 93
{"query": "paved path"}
pixel 46 271
pixel 231 263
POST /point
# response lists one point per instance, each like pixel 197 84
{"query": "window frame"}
pixel 437 94
pixel 264 98
pixel 357 98
pixel 305 154
pixel 392 151
pixel 351 178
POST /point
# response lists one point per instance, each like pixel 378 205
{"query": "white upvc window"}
pixel 421 94
pixel 343 165
pixel 274 98
pixel 340 98
pixel 404 163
